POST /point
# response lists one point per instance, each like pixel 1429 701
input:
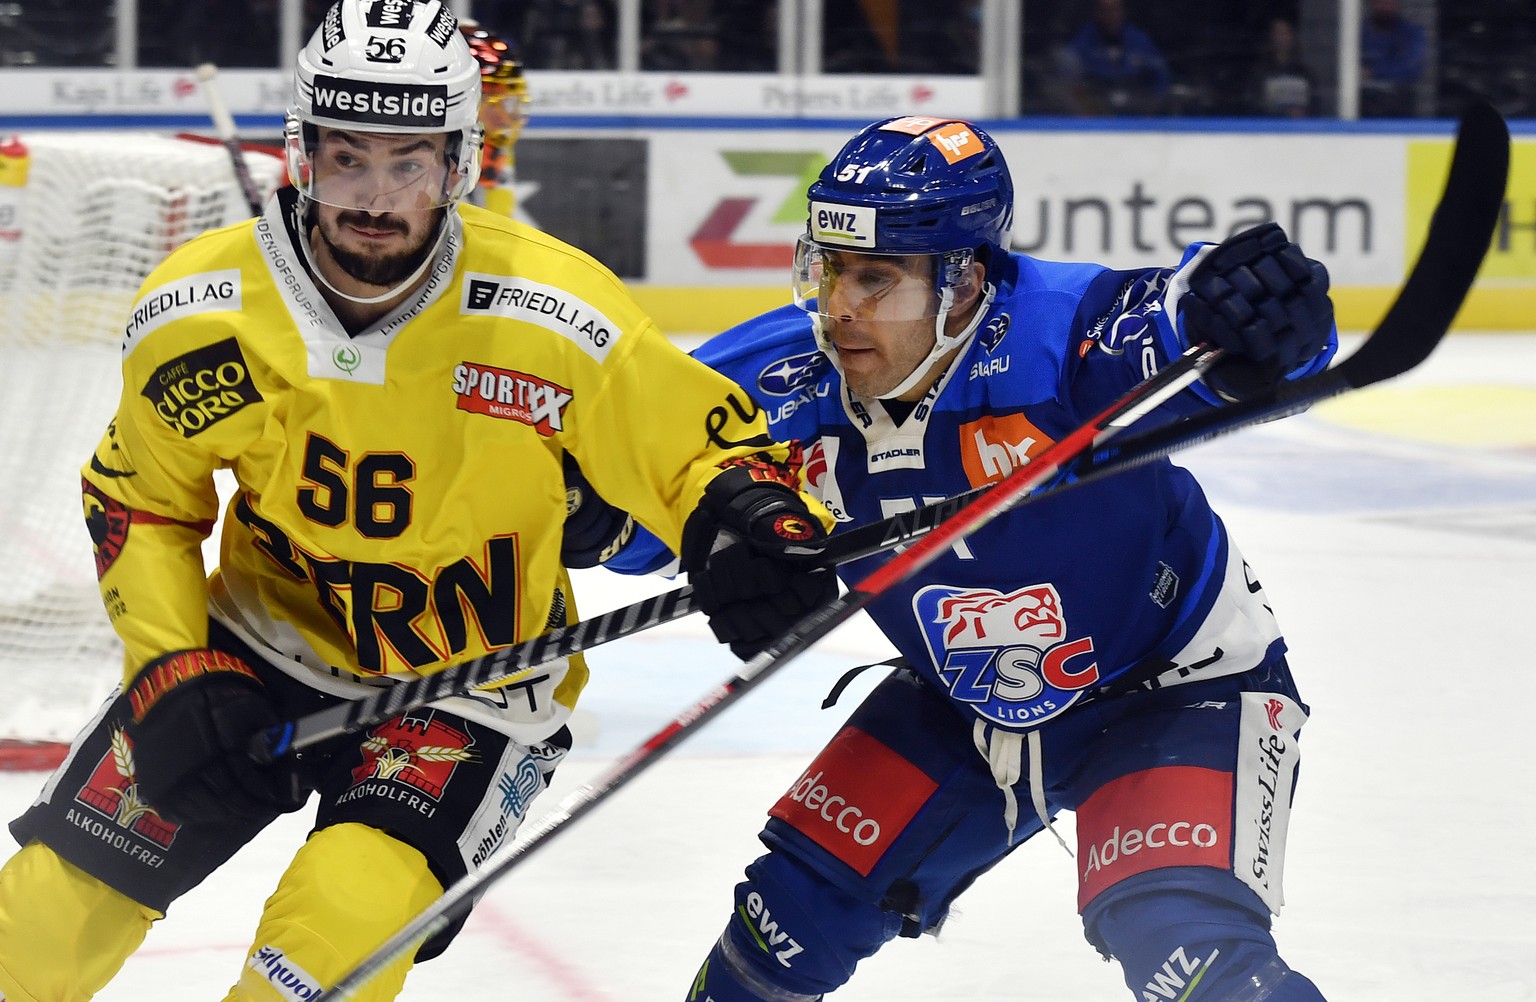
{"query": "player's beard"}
pixel 380 269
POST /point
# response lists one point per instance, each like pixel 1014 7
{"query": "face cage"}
pixel 814 275
pixel 462 166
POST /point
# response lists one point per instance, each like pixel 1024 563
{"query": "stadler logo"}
pixel 372 102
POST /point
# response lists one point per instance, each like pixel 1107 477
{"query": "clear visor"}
pixel 378 171
pixel 864 286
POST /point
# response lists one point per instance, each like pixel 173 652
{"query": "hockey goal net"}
pixel 96 213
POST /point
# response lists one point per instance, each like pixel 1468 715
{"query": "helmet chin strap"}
pixel 410 280
pixel 943 343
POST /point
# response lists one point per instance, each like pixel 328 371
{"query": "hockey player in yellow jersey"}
pixel 503 113
pixel 397 382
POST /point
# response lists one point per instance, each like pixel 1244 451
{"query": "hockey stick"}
pixel 224 126
pixel 1458 237
pixel 377 707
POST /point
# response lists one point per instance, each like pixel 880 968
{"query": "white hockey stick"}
pixel 1459 235
pixel 224 127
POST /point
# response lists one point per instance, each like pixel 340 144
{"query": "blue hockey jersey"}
pixel 1128 580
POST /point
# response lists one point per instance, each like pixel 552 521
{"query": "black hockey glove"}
pixel 595 530
pixel 1263 301
pixel 193 716
pixel 734 552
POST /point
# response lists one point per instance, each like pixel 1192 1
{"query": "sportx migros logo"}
pixel 370 102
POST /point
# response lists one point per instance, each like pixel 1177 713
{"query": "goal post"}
pixel 94 214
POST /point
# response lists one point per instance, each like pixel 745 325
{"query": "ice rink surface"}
pixel 1395 531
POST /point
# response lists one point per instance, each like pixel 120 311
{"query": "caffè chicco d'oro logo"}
pixel 346 358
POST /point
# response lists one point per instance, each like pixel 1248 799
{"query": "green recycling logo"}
pixel 347 358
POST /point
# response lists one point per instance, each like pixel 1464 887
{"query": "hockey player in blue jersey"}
pixel 1105 651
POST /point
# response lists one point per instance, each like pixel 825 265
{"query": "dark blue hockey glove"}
pixel 594 529
pixel 1263 301
pixel 735 552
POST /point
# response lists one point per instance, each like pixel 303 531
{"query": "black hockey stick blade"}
pixel 1460 231
pixel 1459 234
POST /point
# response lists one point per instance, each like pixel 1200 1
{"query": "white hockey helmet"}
pixel 395 67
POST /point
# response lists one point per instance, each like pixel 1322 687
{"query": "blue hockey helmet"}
pixel 914 185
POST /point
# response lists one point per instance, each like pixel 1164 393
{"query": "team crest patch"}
pixel 112 791
pixel 108 521
pixel 511 396
pixel 1010 657
pixel 914 125
pixel 992 334
pixel 411 760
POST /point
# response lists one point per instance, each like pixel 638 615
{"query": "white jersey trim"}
pixel 1234 636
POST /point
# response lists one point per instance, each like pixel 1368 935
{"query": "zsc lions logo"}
pixel 785 376
pixel 1008 656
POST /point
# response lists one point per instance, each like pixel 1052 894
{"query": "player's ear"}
pixel 968 288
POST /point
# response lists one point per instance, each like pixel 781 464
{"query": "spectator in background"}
pixel 679 35
pixel 1112 67
pixel 1282 87
pixel 749 35
pixel 678 45
pixel 558 34
pixel 1392 51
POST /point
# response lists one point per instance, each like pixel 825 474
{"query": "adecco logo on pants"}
pixel 855 799
pixel 1176 815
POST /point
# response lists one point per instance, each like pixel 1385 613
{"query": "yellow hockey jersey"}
pixel 399 494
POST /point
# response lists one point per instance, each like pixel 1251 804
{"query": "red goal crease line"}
pixel 20 755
